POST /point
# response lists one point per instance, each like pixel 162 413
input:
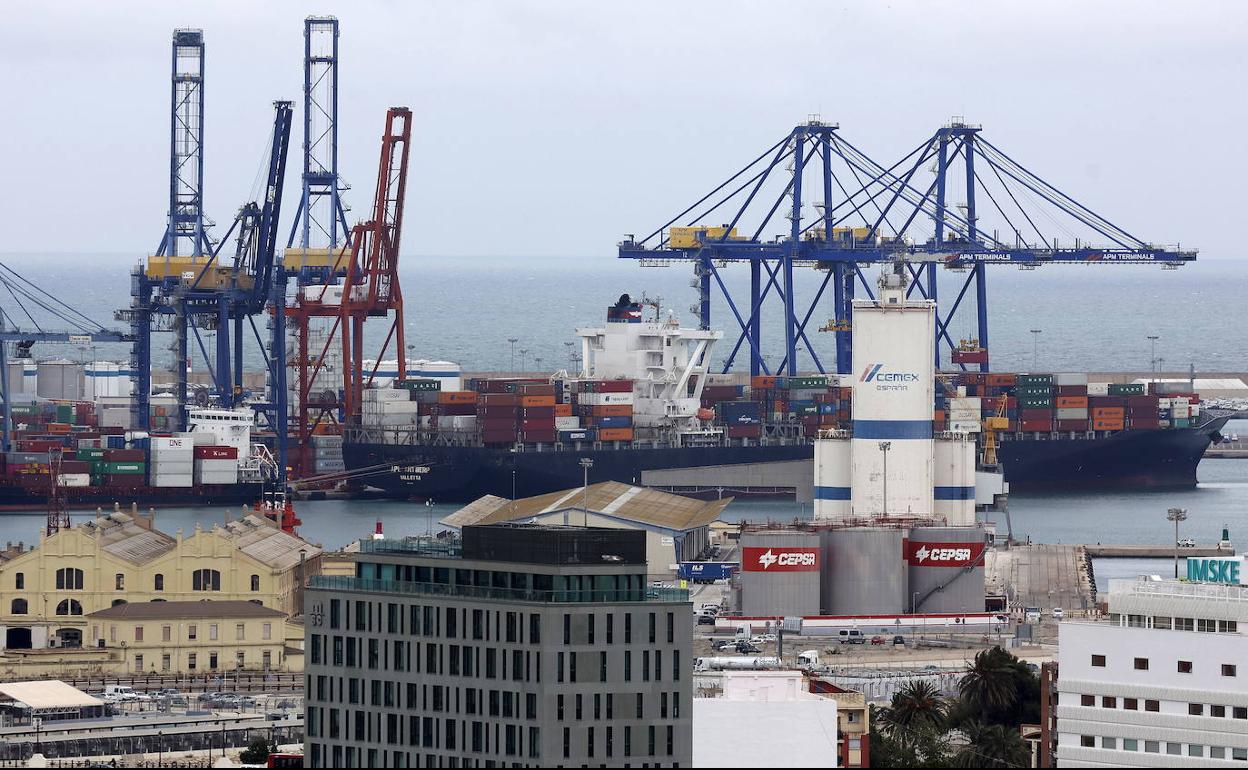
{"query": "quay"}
pixel 1099 551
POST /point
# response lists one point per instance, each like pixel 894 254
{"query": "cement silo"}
pixel 954 479
pixel 832 478
pixel 865 573
pixel 894 361
pixel 946 569
pixel 60 380
pixel 780 572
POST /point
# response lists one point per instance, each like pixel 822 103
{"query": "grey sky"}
pixel 550 128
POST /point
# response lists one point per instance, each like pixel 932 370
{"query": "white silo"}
pixel 954 479
pixel 832 476
pixel 894 366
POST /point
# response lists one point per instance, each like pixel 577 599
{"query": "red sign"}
pixel 922 554
pixel 780 559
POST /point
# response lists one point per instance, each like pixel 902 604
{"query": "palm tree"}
pixel 916 707
pixel 990 681
pixel 992 746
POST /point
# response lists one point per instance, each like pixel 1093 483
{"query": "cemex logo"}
pixel 780 560
pixel 873 374
pixel 943 554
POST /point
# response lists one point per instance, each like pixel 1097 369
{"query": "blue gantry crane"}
pixel 864 214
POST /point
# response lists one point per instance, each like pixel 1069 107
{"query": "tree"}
pixel 257 752
pixel 916 706
pixel 992 746
pixel 989 680
pixel 912 728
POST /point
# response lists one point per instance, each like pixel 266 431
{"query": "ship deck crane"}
pixel 870 214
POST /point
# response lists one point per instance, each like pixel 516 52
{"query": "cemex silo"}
pixel 780 572
pixel 894 368
pixel 832 476
pixel 945 568
pixel 953 479
pixel 863 573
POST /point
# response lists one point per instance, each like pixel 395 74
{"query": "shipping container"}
pixel 573 436
pixel 615 434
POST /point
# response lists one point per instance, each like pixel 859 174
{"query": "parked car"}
pixel 723 645
pixel 1187 542
pixel 877 640
pixel 1058 613
pixel 706 620
pixel 745 648
pixel 207 696
pixel 851 636
pixel 768 638
pixel 899 641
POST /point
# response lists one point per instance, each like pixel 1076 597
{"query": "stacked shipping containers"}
pixel 607 407
pixel 173 462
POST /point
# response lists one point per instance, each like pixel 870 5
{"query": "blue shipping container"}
pixel 571 436
pixel 706 571
pixel 614 422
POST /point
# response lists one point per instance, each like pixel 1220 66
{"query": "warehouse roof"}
pixel 47 694
pixel 129 537
pixel 207 610
pixel 266 543
pixel 609 498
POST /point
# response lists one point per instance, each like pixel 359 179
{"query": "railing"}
pixel 1177 588
pixel 419 546
pixel 588 596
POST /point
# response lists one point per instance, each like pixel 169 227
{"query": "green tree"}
pixel 992 746
pixel 990 680
pixel 917 706
pixel 257 752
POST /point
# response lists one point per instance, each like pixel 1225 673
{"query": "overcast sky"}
pixel 551 128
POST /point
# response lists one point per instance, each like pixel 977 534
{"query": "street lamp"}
pixel 1035 348
pixel 884 447
pixel 523 352
pixel 513 341
pixel 1176 515
pixel 1152 356
pixel 586 464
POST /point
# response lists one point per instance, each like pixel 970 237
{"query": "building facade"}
pixel 529 646
pixel 48 592
pixel 1162 682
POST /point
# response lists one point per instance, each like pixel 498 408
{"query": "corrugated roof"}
pixel 267 544
pixel 610 498
pixel 207 610
pixel 121 535
pixel 47 694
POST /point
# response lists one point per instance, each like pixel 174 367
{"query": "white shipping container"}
pixel 223 464
pixel 167 466
pixel 374 395
pixel 965 426
pixel 458 422
pixel 327 441
pixel 604 399
pixel 160 443
pixel 172 480
pixel 1071 378
pixel 965 402
pixel 74 480
pixel 217 478
pixel 1072 414
pixel 1098 388
pixel 567 423
pixel 961 413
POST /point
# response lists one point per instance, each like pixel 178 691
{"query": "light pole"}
pixel 586 464
pixel 568 346
pixel 1035 348
pixel 537 363
pixel 513 341
pixel 1176 515
pixel 884 447
pixel 523 352
pixel 1152 356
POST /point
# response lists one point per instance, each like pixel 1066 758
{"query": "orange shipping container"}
pixel 613 410
pixel 762 382
pixel 563 410
pixel 58 427
pixel 1108 413
pixel 1106 424
pixel 457 397
pixel 537 401
pixel 615 434
pixel 1072 402
pixel 1002 380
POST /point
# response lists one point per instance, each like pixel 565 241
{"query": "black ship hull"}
pixel 1131 459
pixel 15 496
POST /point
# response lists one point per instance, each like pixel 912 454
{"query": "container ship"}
pixel 646 401
pixel 60 444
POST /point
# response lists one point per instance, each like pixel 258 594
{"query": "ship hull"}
pixel 1123 460
pixel 16 496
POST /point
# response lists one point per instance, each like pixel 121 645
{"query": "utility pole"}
pixel 1035 349
pixel 884 447
pixel 513 341
pixel 1176 515
pixel 1152 356
pixel 523 352
pixel 586 464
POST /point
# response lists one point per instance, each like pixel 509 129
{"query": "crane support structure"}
pixel 865 213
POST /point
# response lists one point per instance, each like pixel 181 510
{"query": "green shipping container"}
pixel 423 385
pixel 64 412
pixel 91 453
pixel 808 383
pixel 24 410
pixel 1127 389
pixel 120 468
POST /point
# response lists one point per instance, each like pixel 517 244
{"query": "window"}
pixel 165 663
pixel 1141 664
pixel 118 602
pixel 1174 749
pixel 1152 705
pixel 1195 750
pixel 138 633
pixel 166 633
pixel 19 581
pixel 1184 624
pixel 1109 702
pixel 1087 700
pixel 1240 712
pixel 192 632
pixel 1130 704
pixel 239 658
pixel 1130 744
pixel 212 664
pixel 266 632
pixel 159 582
pixel 1109 743
pixel 1217 711
pixel 1228 626
pixel 191 661
pixel 1185 667
pixel 69 607
pixel 1228 669
pixel 1195 709
pixel 69 579
pixel 255 582
pixel 1217 752
pixel 1152 747
pixel 1161 622
pixel 240 631
pixel 1206 626
pixel 212 632
pixel 1098 661
pixel 18 607
pixel 206 580
pixel 266 659
pixel 119 581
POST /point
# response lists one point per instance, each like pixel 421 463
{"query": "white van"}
pixel 851 636
pixel 115 693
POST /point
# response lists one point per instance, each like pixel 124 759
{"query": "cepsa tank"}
pixel 954 479
pixel 894 363
pixel 832 478
pixel 780 572
pixel 946 568
pixel 865 574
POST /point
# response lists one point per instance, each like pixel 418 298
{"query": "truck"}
pixel 706 571
pixel 808 659
pixel 741 663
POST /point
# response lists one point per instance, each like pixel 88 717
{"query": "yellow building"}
pixel 48 592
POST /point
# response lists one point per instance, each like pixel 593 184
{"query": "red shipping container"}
pixel 546 424
pixel 546 436
pixel 126 480
pixel 1036 425
pixel 1002 380
pixel 1035 414
pixel 500 399
pixel 532 389
pixel 498 412
pixel 456 410
pixel 745 431
pixel 1150 401
pixel 613 386
pixel 112 430
pixel 1097 402
pixel 537 412
pixel 1079 425
pixel 494 425
pixel 1071 390
pixel 75 466
pixel 216 453
pixel 1144 423
pixel 499 437
pixel 615 434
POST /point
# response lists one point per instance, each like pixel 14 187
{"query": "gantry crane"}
pixel 868 214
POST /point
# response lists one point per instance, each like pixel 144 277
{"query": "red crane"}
pixel 370 290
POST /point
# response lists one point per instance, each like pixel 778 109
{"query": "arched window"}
pixel 19 581
pixel 206 580
pixel 118 601
pixel 19 607
pixel 69 607
pixel 160 582
pixel 69 579
pixel 255 582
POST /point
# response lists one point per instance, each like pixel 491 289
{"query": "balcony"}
pixel 364 585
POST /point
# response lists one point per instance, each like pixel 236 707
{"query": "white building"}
pixel 1163 682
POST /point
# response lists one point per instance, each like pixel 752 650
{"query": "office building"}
pixel 516 645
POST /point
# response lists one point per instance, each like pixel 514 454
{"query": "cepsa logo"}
pixel 780 560
pixel 943 554
pixel 873 374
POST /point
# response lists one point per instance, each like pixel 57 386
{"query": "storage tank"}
pixel 946 568
pixel 780 572
pixel 954 479
pixel 103 379
pixel 894 359
pixel 865 573
pixel 447 372
pixel 60 380
pixel 23 377
pixel 832 478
